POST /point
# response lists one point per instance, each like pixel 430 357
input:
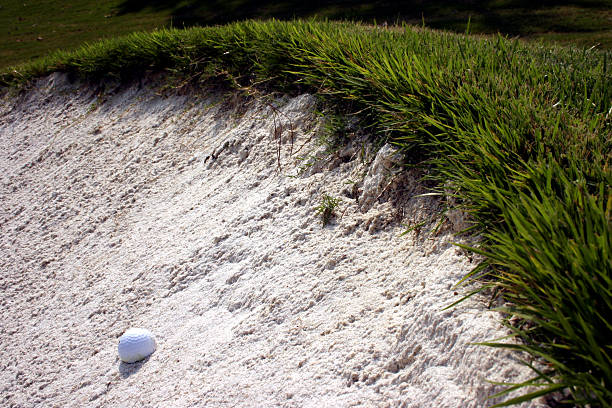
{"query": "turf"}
pixel 33 29
pixel 521 132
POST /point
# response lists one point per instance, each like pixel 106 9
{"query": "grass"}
pixel 327 208
pixel 522 131
pixel 335 131
pixel 33 29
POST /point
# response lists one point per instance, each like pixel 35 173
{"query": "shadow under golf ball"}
pixel 127 369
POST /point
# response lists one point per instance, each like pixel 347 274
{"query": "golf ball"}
pixel 136 344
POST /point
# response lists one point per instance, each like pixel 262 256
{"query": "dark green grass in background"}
pixel 522 131
pixel 30 29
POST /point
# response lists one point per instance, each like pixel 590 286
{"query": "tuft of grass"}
pixel 327 208
pixel 522 131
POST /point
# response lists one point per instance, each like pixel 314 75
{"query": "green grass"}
pixel 33 29
pixel 327 208
pixel 522 131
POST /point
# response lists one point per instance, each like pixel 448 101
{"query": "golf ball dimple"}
pixel 136 344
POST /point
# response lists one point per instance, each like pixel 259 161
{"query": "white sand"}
pixel 171 213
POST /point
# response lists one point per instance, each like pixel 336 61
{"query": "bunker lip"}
pixel 172 213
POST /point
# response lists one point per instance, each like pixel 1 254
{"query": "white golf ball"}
pixel 136 344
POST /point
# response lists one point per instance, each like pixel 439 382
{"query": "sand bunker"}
pixel 197 219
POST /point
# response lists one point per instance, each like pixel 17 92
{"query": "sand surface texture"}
pixel 195 218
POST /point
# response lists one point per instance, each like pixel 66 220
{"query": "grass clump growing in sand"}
pixel 522 131
pixel 327 208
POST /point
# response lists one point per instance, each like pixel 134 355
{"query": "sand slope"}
pixel 184 215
